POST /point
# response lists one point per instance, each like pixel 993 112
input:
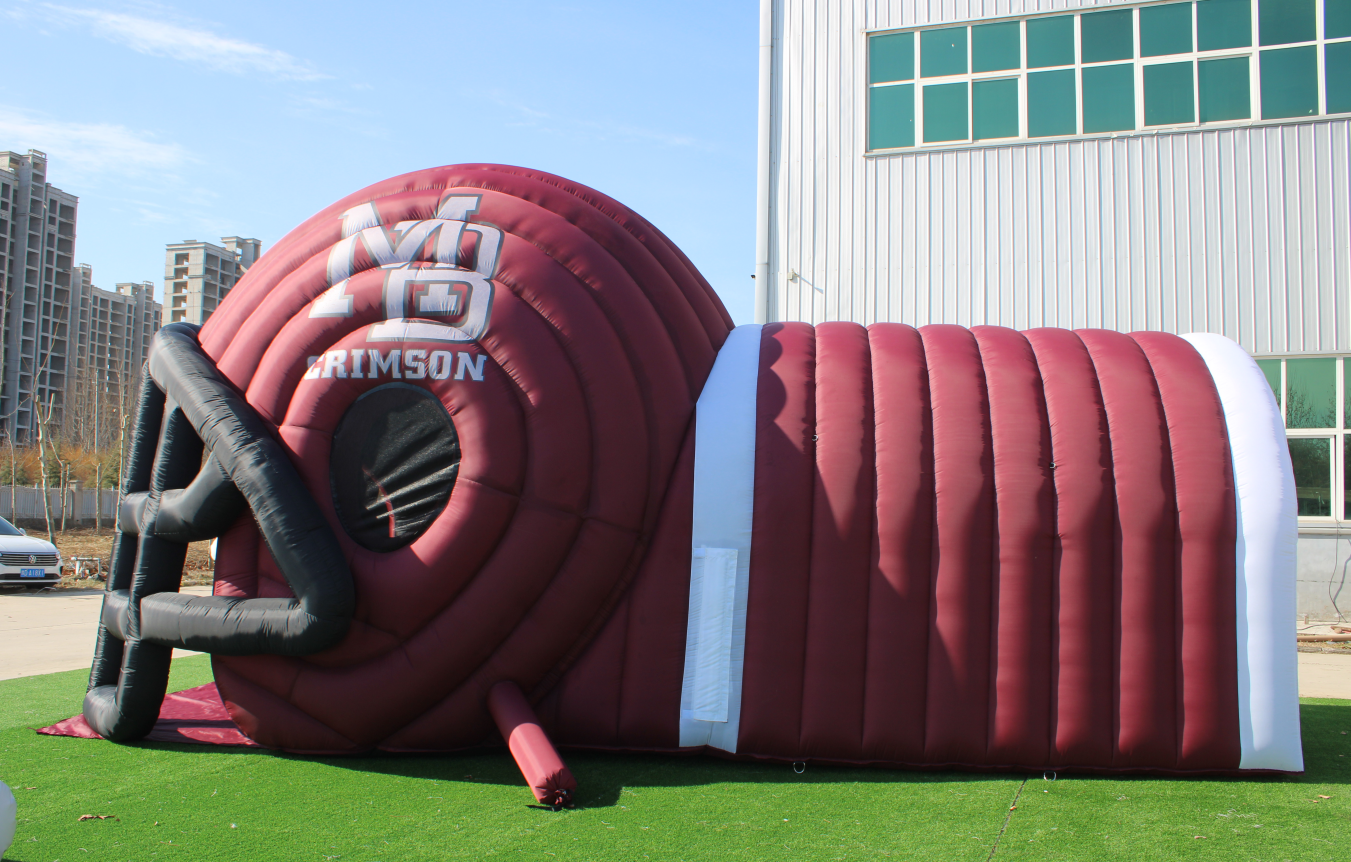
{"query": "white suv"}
pixel 26 560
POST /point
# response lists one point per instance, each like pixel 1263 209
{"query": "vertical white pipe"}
pixel 762 214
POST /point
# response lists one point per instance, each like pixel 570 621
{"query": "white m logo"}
pixel 444 301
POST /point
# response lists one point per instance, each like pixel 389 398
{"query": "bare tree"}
pixel 13 479
pixel 43 422
pixel 65 489
pixel 4 330
pixel 121 450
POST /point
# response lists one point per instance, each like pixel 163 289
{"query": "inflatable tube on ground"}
pixel 498 440
pixel 544 772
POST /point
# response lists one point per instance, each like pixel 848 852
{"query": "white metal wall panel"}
pixel 1244 231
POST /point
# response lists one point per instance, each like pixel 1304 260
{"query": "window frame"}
pixel 1336 434
pixel 1252 52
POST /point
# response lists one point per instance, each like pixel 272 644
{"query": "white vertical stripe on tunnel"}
pixel 708 652
pixel 724 498
pixel 1264 491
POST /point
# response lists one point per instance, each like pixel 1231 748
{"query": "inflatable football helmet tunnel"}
pixel 483 448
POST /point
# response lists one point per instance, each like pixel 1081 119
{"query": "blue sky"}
pixel 196 121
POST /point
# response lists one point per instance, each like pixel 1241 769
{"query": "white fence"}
pixel 78 506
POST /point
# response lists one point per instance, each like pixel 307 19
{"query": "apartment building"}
pixel 199 275
pixel 114 331
pixel 37 244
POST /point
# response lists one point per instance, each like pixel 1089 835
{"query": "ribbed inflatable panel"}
pixel 971 547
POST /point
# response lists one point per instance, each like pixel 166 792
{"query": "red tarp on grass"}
pixel 194 716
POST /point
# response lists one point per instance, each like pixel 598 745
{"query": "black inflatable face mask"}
pixel 186 406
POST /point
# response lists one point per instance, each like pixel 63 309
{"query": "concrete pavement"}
pixel 45 632
pixel 1324 675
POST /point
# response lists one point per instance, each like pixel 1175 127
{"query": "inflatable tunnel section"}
pixel 942 546
pixel 486 457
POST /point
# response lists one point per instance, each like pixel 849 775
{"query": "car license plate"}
pixel 32 573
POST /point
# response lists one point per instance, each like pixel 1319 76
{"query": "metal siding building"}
pixel 1240 228
pixel 1244 231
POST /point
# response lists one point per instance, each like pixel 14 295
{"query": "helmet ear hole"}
pixel 394 461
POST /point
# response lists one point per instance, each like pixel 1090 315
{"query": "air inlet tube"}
pixel 544 770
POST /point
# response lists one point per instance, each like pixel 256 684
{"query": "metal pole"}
pixel 763 294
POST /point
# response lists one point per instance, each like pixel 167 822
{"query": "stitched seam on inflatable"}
pixel 809 380
pixel 611 210
pixel 869 413
pixel 552 678
pixel 643 248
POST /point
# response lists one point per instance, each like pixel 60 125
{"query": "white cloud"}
pixel 162 39
pixel 88 150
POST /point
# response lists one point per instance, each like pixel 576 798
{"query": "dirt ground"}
pixel 84 542
pixel 1339 648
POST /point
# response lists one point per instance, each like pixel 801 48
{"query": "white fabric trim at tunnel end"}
pixel 720 550
pixel 1264 492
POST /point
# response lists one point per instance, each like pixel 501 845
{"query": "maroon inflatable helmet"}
pixel 883 545
pixel 571 404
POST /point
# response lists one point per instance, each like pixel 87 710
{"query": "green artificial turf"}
pixel 181 802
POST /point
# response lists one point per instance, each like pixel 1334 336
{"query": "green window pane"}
pixel 1346 403
pixel 942 52
pixel 945 113
pixel 1223 24
pixel 1050 103
pixel 1336 19
pixel 995 47
pixel 1050 42
pixel 1272 369
pixel 891 57
pixel 1290 83
pixel 1224 90
pixel 891 117
pixel 1280 22
pixel 1346 476
pixel 1169 92
pixel 1108 35
pixel 1312 459
pixel 994 109
pixel 1310 393
pixel 1337 66
pixel 1109 98
pixel 1165 29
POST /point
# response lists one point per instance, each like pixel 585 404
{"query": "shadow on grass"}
pixel 603 776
